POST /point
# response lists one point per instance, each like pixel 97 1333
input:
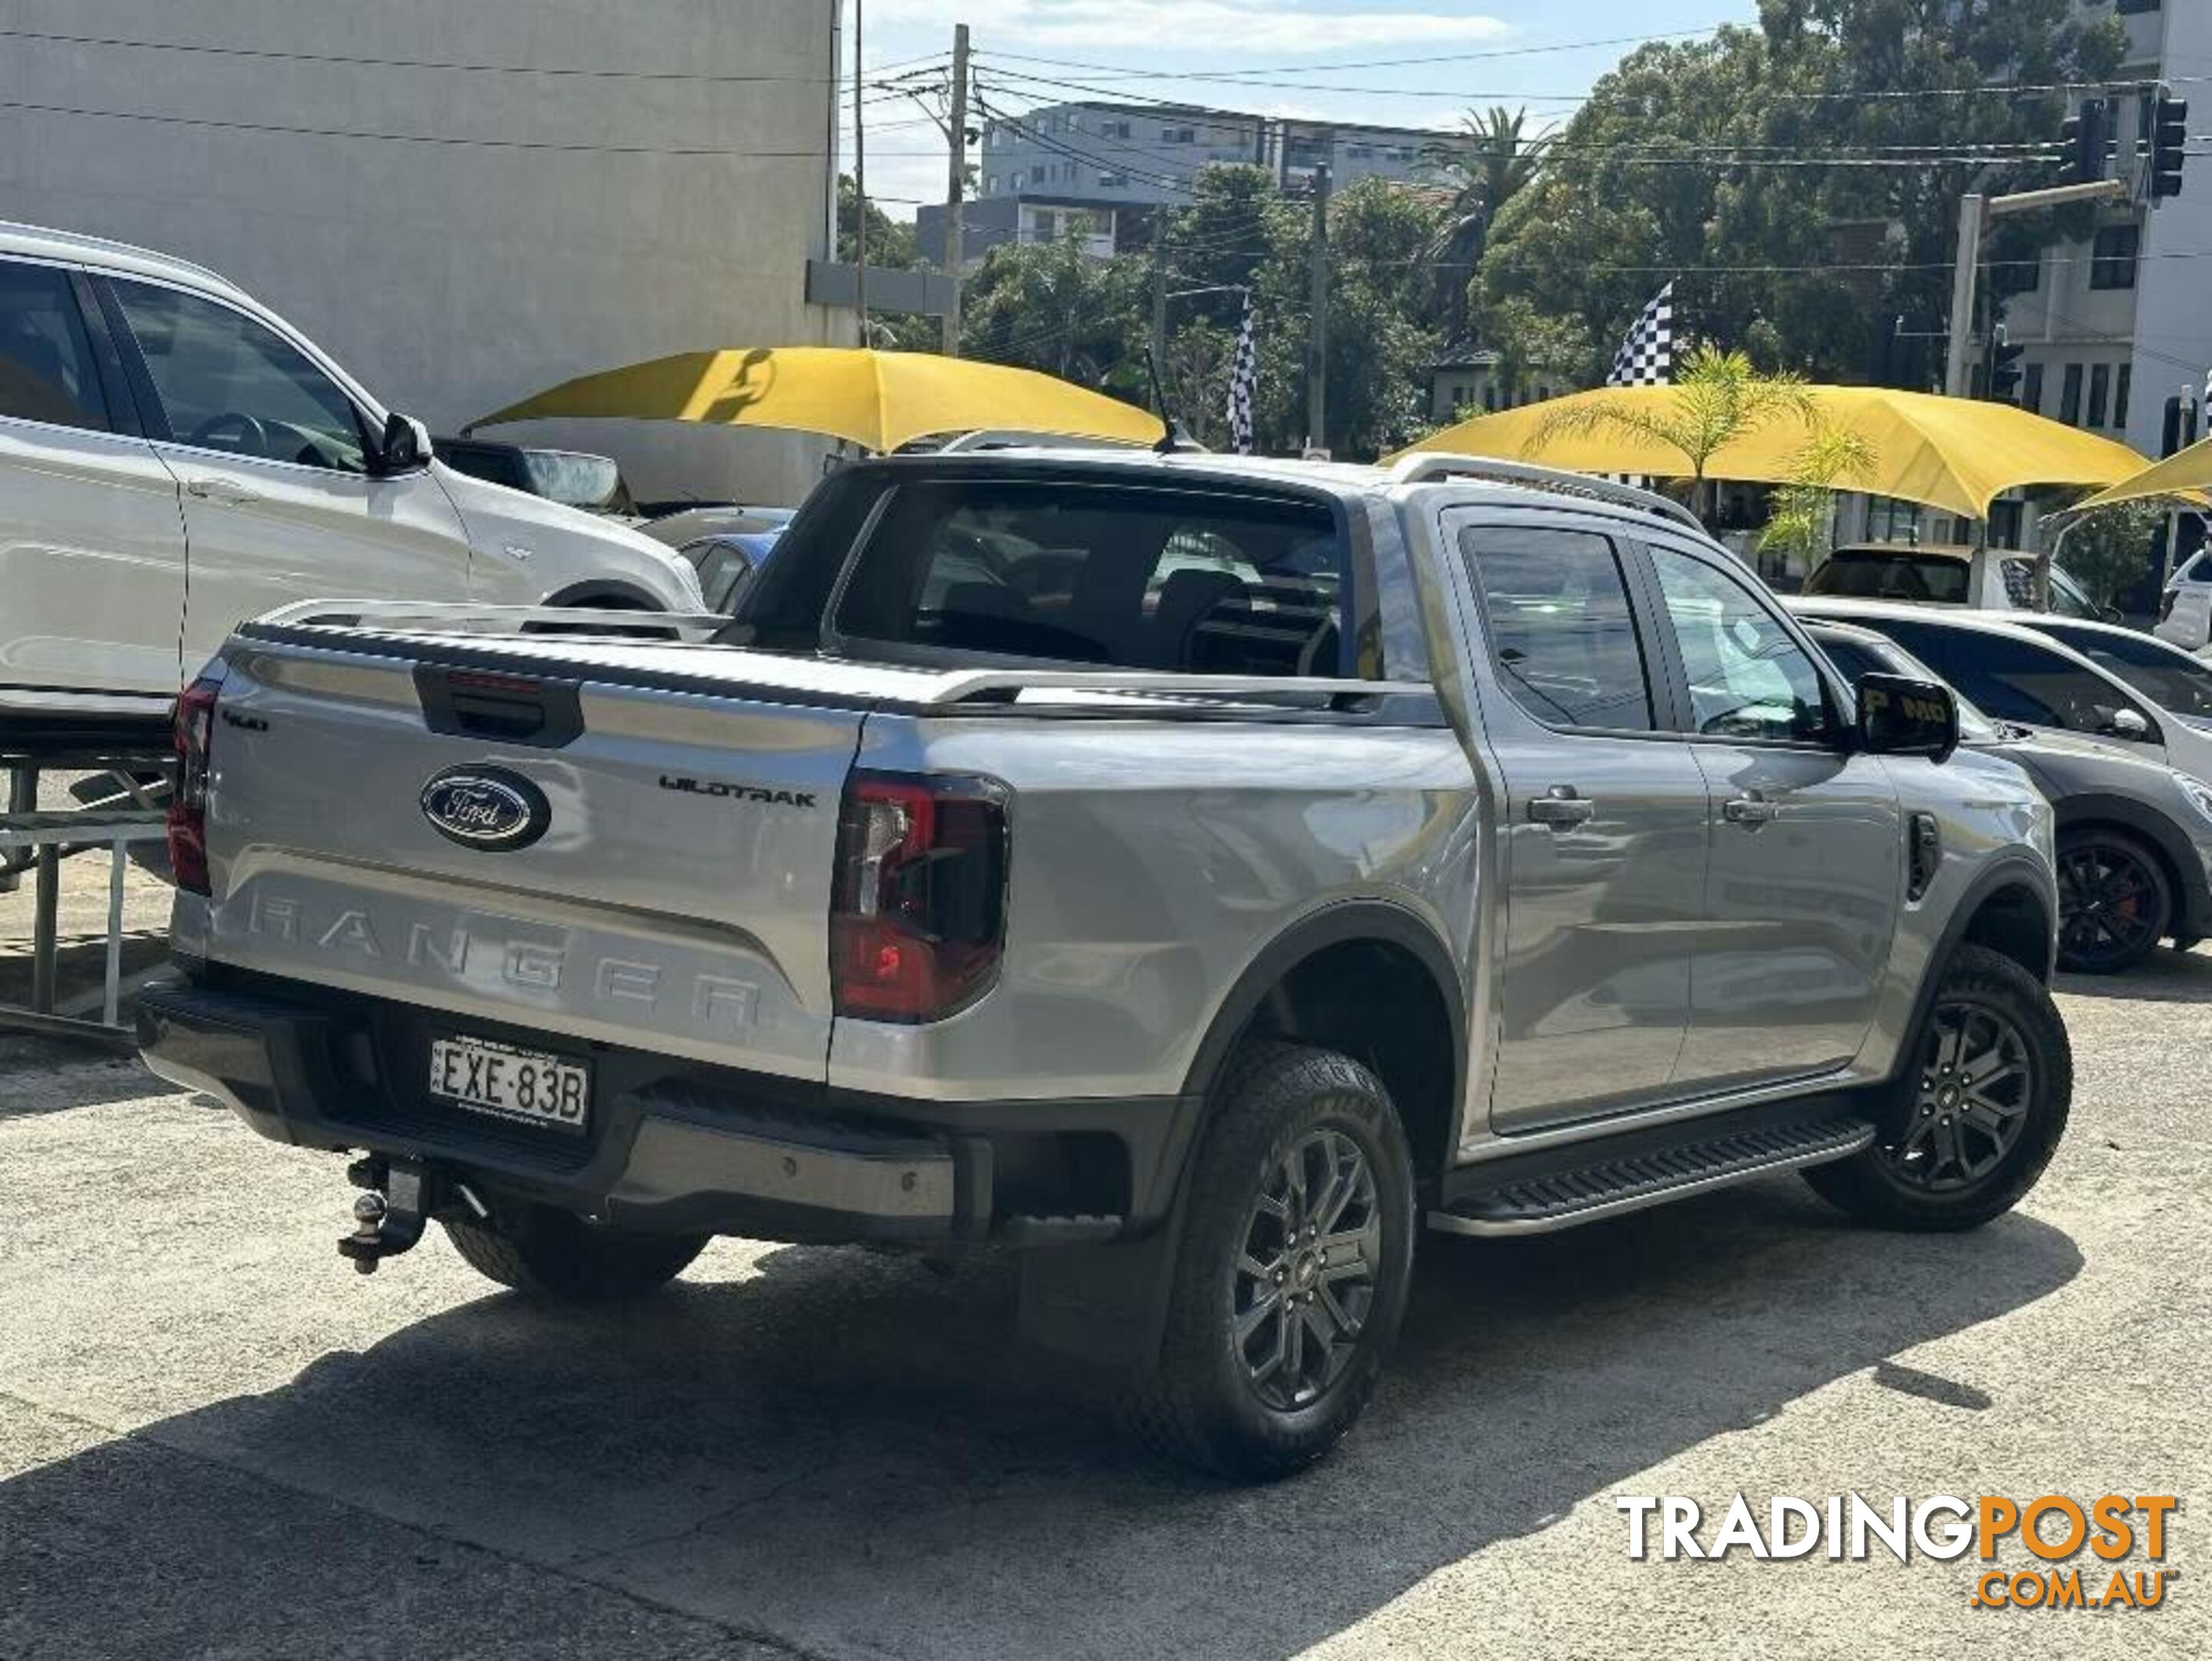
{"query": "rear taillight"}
pixel 917 915
pixel 195 738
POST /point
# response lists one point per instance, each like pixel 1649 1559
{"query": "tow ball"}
pixel 389 1214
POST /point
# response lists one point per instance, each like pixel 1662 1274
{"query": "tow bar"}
pixel 388 1217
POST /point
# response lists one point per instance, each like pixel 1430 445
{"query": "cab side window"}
pixel 1561 631
pixel 1748 677
pixel 47 371
pixel 227 383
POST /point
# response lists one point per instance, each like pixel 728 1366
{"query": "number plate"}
pixel 497 1078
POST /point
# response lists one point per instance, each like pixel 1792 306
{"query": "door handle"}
pixel 1750 810
pixel 1561 807
pixel 227 491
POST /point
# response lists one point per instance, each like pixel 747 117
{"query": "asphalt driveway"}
pixel 216 1439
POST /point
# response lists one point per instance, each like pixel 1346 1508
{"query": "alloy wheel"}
pixel 1305 1275
pixel 1975 1086
pixel 2108 905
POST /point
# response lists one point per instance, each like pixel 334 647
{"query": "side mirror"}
pixel 2125 723
pixel 1901 716
pixel 403 446
pixel 2111 614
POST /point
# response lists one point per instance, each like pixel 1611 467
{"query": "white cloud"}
pixel 1256 28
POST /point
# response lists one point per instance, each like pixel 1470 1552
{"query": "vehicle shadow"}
pixel 2165 977
pixel 48 1075
pixel 845 1453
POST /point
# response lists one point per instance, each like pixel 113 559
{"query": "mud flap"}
pixel 1103 1302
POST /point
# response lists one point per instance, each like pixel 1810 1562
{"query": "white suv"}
pixel 2184 611
pixel 174 458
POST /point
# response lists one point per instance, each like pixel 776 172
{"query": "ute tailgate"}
pixel 675 897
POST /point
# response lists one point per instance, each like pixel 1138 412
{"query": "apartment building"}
pixel 1098 171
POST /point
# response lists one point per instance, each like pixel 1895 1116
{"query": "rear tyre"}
pixel 562 1258
pixel 2115 902
pixel 1292 1269
pixel 1979 1112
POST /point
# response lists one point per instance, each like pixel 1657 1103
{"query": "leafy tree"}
pixel 1048 306
pixel 1725 162
pixel 1494 158
pixel 890 247
pixel 2110 552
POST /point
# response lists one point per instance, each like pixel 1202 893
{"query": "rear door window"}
pixel 47 371
pixel 1107 574
pixel 2012 679
pixel 1561 630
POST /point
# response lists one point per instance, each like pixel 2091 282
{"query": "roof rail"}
pixel 1429 464
pixel 86 240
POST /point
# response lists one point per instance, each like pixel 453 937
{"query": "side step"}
pixel 1522 1202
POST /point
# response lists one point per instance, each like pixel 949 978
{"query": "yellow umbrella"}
pixel 877 399
pixel 1949 452
pixel 2184 473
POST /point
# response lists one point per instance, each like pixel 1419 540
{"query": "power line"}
pixel 365 61
pixel 1395 63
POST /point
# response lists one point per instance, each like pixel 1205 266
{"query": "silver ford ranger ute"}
pixel 1198 873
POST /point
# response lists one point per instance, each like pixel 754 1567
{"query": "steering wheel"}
pixel 252 438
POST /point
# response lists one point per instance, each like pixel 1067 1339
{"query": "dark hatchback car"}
pixel 2134 836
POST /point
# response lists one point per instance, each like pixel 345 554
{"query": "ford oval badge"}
pixel 486 808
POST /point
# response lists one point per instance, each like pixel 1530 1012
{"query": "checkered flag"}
pixel 1243 380
pixel 1646 357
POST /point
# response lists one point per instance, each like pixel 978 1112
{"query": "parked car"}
pixel 165 438
pixel 1520 864
pixel 2171 678
pixel 1938 575
pixel 726 564
pixel 575 479
pixel 2134 836
pixel 2184 604
pixel 2015 671
pixel 722 519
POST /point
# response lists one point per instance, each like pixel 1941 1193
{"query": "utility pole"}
pixel 955 187
pixel 1973 215
pixel 859 186
pixel 1317 334
pixel 1160 293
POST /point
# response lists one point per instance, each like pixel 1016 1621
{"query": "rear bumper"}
pixel 676 1148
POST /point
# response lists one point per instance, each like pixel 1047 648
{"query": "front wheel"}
pixel 1293 1267
pixel 564 1258
pixel 2115 902
pixel 1978 1113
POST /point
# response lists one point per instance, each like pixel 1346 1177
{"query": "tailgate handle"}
pixel 480 703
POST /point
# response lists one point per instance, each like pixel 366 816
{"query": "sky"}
pixel 1285 57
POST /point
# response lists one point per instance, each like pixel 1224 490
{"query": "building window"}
pixel 2122 386
pixel 1178 135
pixel 1038 173
pixel 2069 396
pixel 2031 389
pixel 2100 389
pixel 1360 152
pixel 1113 181
pixel 990 183
pixel 2136 8
pixel 1114 129
pixel 2113 257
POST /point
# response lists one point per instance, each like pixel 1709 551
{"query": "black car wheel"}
pixel 1292 1269
pixel 1978 1111
pixel 2115 902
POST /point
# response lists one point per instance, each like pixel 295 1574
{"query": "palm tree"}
pixel 1719 398
pixel 1798 525
pixel 1490 160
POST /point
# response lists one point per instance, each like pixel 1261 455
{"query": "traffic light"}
pixel 2169 138
pixel 2004 368
pixel 2086 136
